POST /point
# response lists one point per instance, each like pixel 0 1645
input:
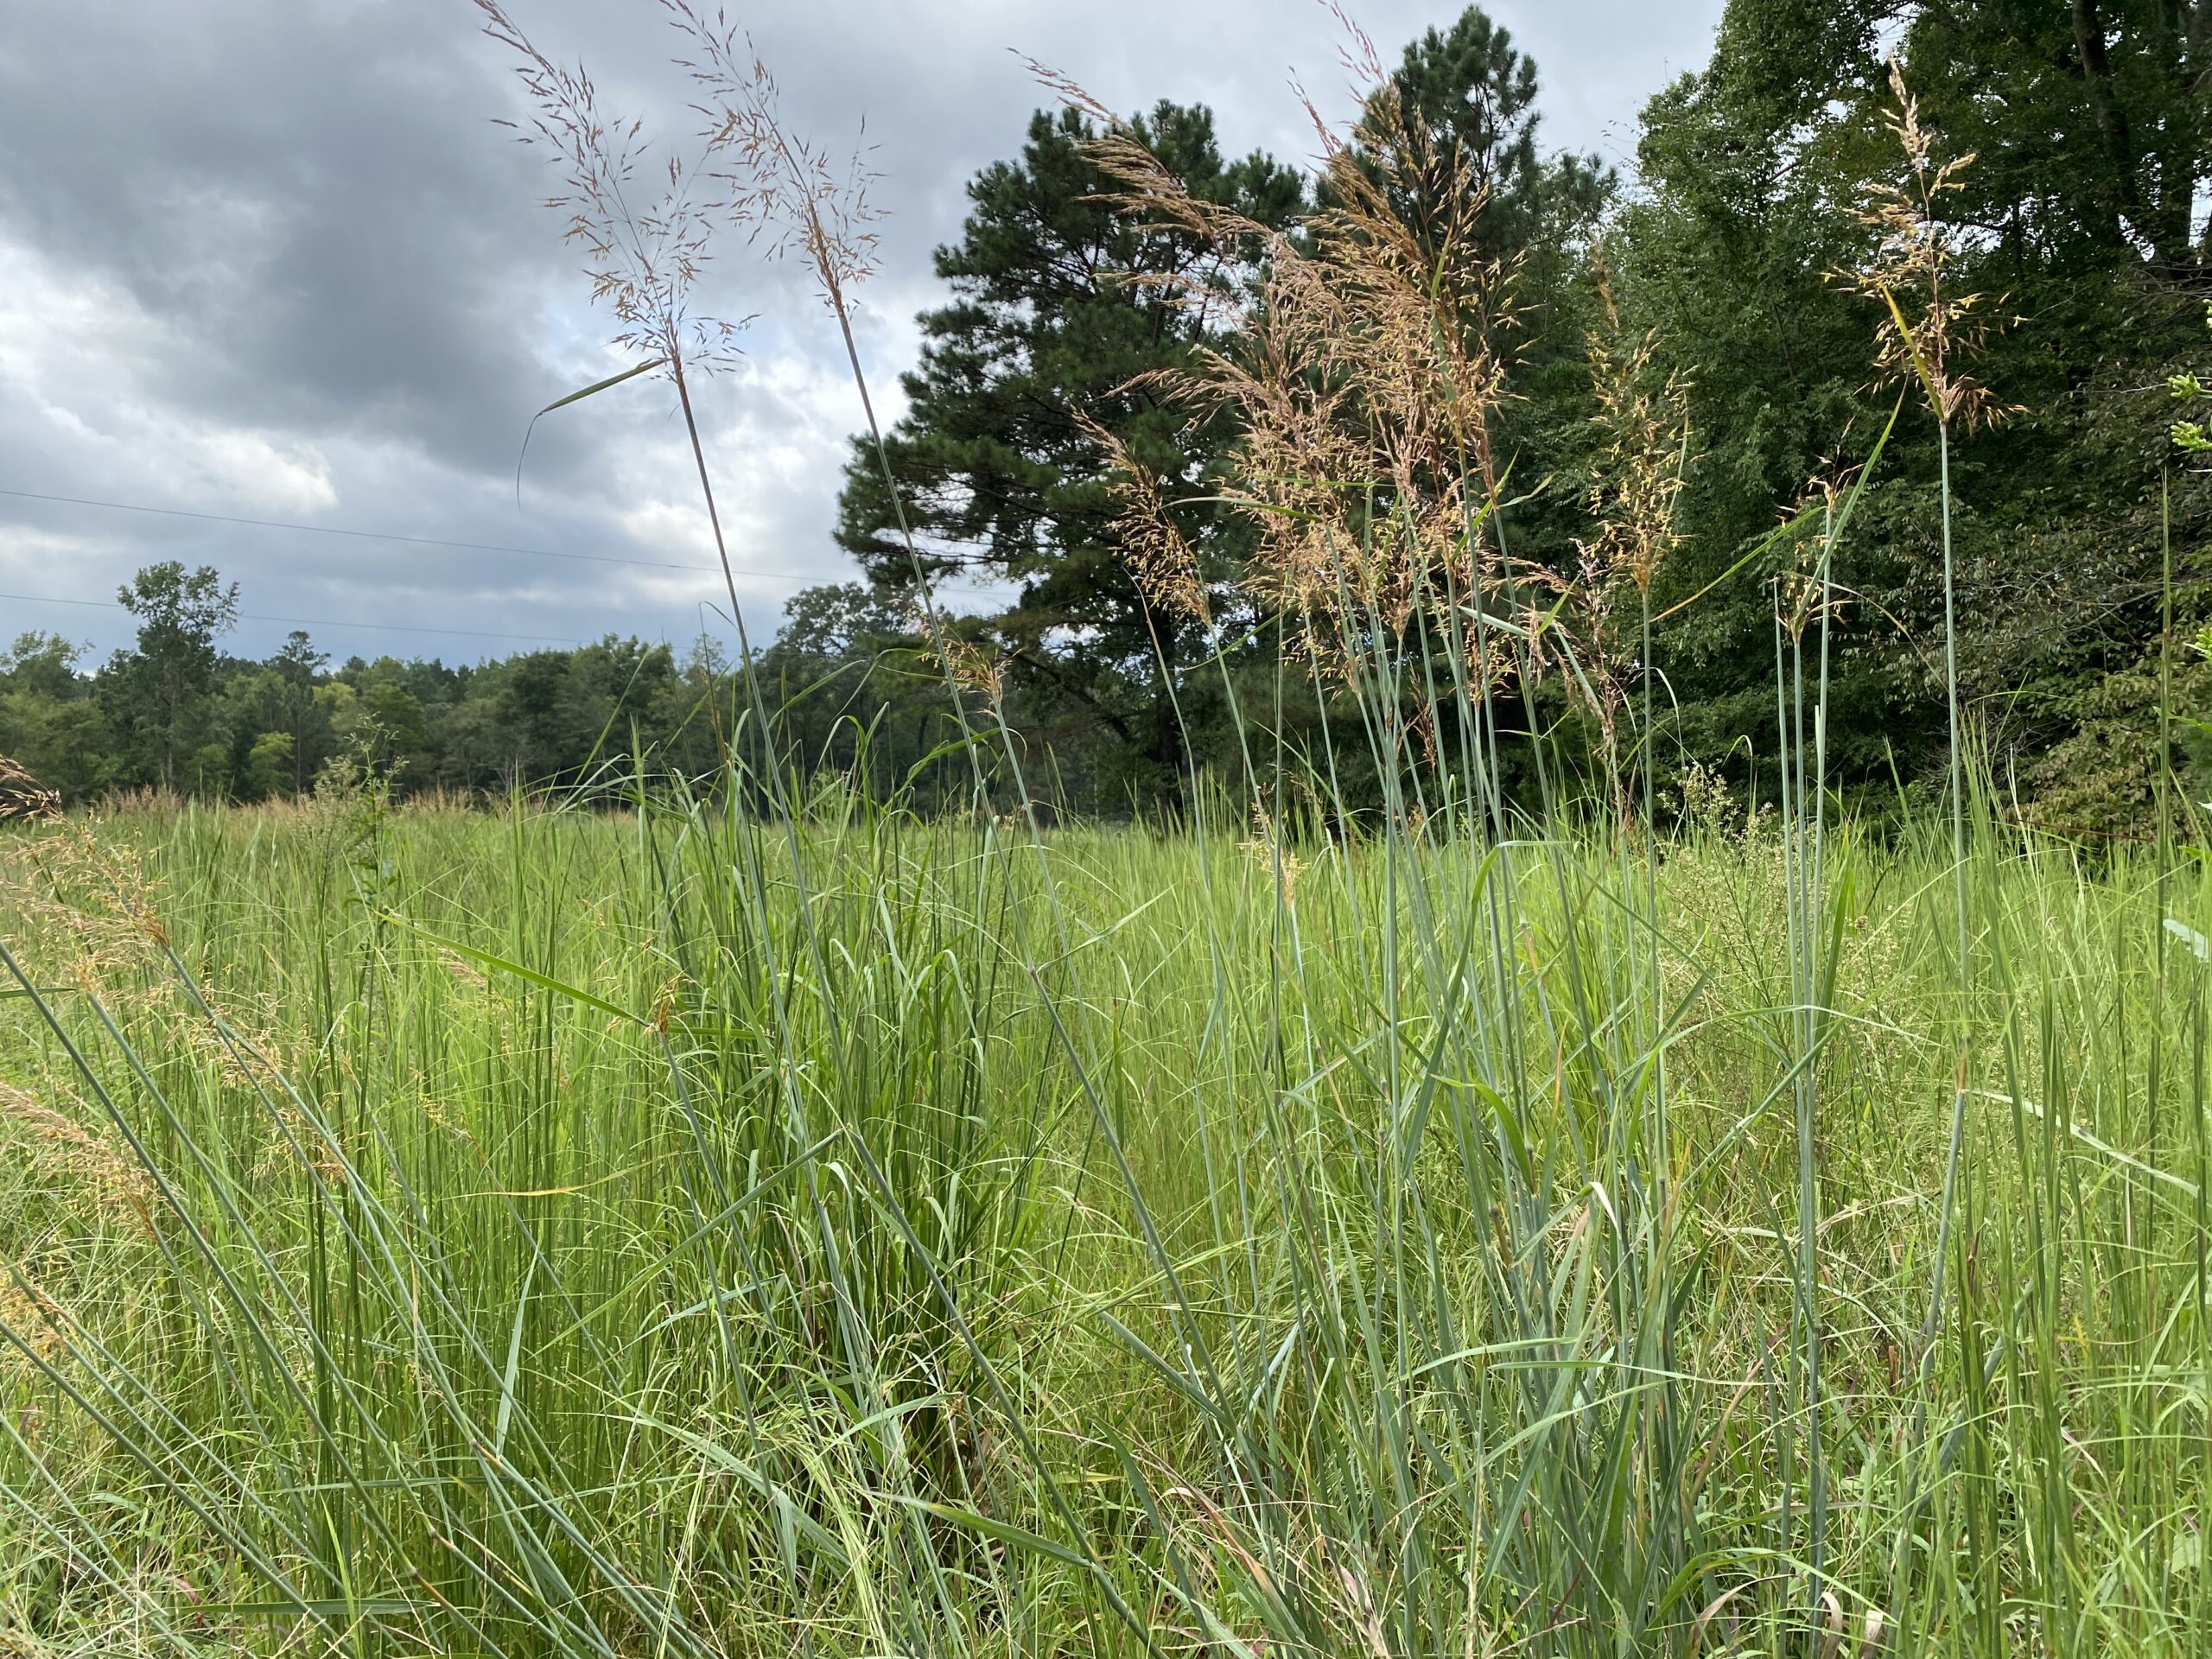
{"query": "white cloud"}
pixel 77 353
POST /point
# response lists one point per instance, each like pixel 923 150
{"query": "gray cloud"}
pixel 273 261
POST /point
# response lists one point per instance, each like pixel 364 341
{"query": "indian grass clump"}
pixel 1424 1201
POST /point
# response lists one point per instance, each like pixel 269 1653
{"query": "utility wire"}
pixel 315 621
pixel 384 536
pixel 413 541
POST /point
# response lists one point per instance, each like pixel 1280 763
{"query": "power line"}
pixel 412 541
pixel 314 621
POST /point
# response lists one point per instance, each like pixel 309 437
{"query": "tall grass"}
pixel 534 1250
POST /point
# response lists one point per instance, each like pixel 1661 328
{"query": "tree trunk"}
pixel 2112 121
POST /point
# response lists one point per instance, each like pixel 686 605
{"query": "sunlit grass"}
pixel 528 1234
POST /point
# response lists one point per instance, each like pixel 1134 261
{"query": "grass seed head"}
pixel 1364 362
pixel 29 1316
pixel 22 796
pixel 90 1161
pixel 1926 333
pixel 644 232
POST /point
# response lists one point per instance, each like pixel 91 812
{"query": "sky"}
pixel 274 260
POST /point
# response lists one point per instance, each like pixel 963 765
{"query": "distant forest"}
pixel 2083 221
pixel 176 713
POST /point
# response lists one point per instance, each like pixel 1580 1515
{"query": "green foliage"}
pixel 50 722
pixel 858 695
pixel 157 695
pixel 2188 434
pixel 998 462
pixel 269 770
pixel 176 715
pixel 2073 220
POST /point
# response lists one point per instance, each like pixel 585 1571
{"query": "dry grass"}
pixel 62 1147
pixel 1928 334
pixel 1364 378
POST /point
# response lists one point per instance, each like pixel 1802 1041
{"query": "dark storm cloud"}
pixel 274 260
pixel 307 196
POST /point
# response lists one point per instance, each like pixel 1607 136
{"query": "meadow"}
pixel 665 1229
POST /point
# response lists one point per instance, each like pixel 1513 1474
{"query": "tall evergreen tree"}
pixel 1470 94
pixel 163 684
pixel 295 667
pixel 999 471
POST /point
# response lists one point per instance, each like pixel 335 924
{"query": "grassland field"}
pixel 666 1231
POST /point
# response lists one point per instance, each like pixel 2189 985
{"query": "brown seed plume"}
pixel 1926 333
pixel 1362 365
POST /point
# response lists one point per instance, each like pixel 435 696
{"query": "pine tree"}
pixel 998 475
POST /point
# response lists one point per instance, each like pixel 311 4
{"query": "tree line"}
pixel 847 685
pixel 2084 222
